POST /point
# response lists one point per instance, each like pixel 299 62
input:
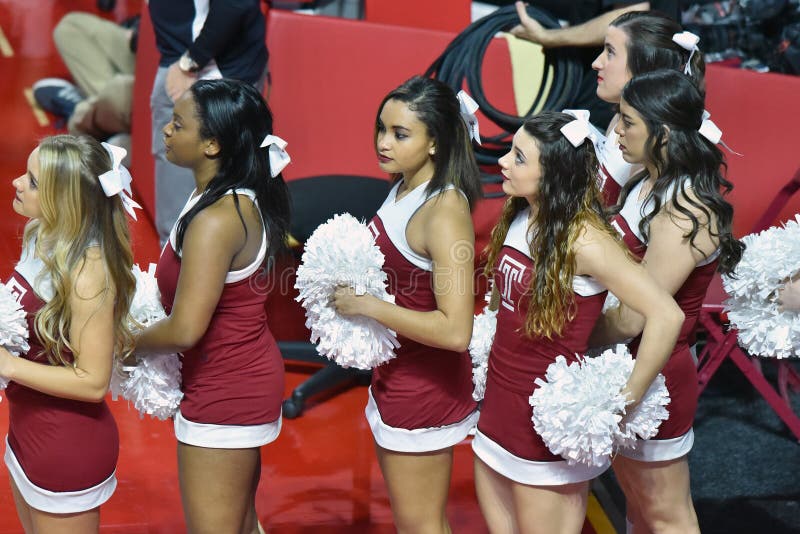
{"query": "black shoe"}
pixel 106 5
pixel 57 96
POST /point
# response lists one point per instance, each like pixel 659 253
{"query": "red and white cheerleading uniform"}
pixel 675 436
pixel 506 439
pixel 61 453
pixel 614 171
pixel 421 400
pixel 232 379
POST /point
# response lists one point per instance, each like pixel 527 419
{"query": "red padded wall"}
pixel 759 115
pixel 329 76
pixel 141 157
pixel 448 15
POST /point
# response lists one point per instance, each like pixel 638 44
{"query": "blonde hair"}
pixel 75 215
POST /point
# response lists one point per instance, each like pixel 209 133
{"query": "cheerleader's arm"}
pixel 600 256
pixel 91 338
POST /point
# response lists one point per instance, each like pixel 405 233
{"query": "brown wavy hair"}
pixel 75 215
pixel 667 101
pixel 568 200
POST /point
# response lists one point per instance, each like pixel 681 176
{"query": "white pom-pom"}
pixel 480 345
pixel 146 306
pixel 153 385
pixel 13 326
pixel 342 251
pixel 611 302
pixel 771 257
pixel 644 420
pixel 578 409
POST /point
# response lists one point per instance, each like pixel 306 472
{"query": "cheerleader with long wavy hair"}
pixel 74 281
pixel 552 257
pixel 673 215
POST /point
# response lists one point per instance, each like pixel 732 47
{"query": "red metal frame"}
pixel 721 344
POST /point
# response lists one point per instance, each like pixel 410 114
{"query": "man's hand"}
pixel 528 28
pixel 178 81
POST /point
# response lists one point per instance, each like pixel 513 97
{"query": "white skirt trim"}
pixel 660 450
pixel 418 439
pixel 58 502
pixel 214 436
pixel 529 472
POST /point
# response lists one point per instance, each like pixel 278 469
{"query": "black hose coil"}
pixel 463 58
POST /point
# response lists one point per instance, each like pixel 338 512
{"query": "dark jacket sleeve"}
pixel 222 25
pixel 672 8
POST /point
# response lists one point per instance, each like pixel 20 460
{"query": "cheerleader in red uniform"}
pixel 672 215
pixel 552 256
pixel 74 282
pixel 420 403
pixel 637 42
pixel 212 280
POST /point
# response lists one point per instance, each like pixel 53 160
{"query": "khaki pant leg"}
pixel 93 49
pixel 107 113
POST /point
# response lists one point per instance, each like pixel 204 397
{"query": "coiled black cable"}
pixel 463 58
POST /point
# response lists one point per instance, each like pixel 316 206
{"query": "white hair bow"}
pixel 579 130
pixel 117 181
pixel 468 108
pixel 278 157
pixel 711 131
pixel 688 41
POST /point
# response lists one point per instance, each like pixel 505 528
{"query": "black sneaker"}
pixel 57 96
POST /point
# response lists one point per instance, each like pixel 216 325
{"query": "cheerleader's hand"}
pixel 632 399
pixel 6 363
pixel 789 296
pixel 347 301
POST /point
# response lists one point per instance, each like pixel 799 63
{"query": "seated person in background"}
pixel 100 56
